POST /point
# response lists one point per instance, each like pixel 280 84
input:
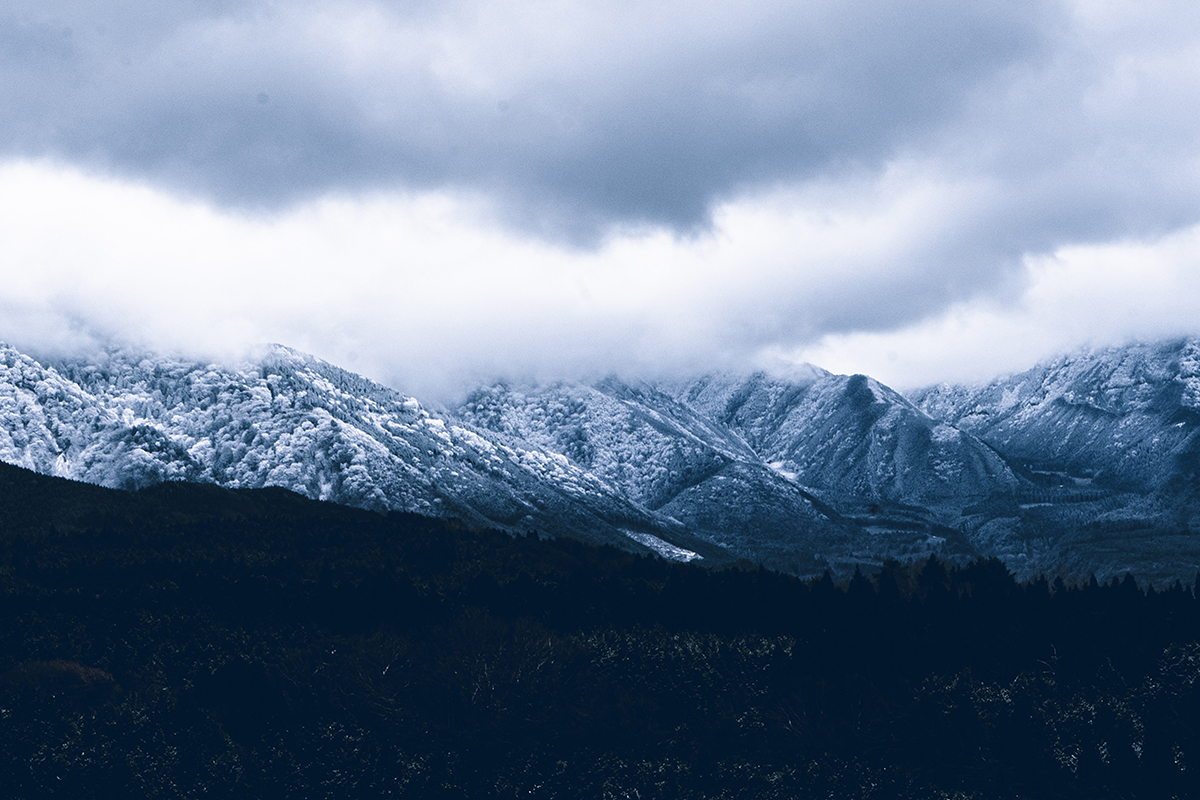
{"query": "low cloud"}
pixel 440 190
pixel 1077 298
pixel 425 294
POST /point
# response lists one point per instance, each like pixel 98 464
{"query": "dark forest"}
pixel 187 641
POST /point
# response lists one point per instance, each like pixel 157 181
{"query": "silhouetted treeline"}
pixel 197 641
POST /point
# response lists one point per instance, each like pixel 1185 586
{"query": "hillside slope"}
pixel 290 420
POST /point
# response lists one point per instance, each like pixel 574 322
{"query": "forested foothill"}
pixel 188 641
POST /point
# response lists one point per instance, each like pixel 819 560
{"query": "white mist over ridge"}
pixel 1078 298
pixel 429 293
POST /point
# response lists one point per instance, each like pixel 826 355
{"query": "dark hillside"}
pixel 188 640
pixel 32 504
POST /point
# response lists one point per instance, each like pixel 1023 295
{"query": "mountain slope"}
pixel 291 420
pixel 674 455
pixel 851 437
pixel 613 430
pixel 665 456
pixel 1127 418
pixel 1109 441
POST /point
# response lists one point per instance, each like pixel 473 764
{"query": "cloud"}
pixel 1077 297
pixel 426 294
pixel 424 288
pixel 432 189
pixel 572 116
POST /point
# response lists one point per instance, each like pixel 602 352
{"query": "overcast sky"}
pixel 435 192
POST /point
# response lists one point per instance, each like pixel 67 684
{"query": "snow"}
pixel 778 467
pixel 1107 410
pixel 284 419
pixel 664 549
pixel 851 435
pixel 731 460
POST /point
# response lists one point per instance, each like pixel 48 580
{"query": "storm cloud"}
pixel 574 116
pixel 632 181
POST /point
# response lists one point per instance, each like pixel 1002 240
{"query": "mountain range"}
pixel 1084 465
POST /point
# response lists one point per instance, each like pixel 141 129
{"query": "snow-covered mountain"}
pixel 291 420
pixel 1084 465
pixel 1124 417
pixel 850 437
pixel 668 458
pixel 1109 440
pixel 818 468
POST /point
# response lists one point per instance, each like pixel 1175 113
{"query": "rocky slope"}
pixel 816 469
pixel 850 437
pixel 662 454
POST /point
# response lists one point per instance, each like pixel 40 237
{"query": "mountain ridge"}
pixel 800 472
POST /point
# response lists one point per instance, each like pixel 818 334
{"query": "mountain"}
pixel 819 468
pixel 850 437
pixel 665 456
pixel 1124 417
pixel 286 419
pixel 1082 466
pixel 1108 440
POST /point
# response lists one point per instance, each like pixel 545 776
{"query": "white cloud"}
pixel 966 188
pixel 1078 297
pixel 426 291
pixel 426 284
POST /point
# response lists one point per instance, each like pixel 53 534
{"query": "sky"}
pixel 436 192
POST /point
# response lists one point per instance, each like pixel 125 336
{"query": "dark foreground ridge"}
pixel 187 640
